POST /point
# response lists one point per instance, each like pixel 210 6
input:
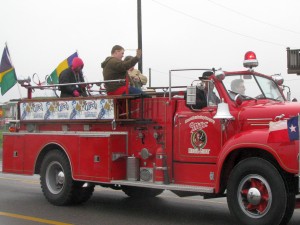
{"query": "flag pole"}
pixel 18 85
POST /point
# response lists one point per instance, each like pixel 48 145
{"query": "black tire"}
pixel 289 211
pixel 82 192
pixel 257 194
pixel 56 178
pixel 140 192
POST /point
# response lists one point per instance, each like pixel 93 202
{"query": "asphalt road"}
pixel 22 202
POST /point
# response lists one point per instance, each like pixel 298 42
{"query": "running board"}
pixel 175 187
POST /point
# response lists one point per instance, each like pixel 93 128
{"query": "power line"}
pixel 217 26
pixel 253 18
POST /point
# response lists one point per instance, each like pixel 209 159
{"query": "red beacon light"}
pixel 250 60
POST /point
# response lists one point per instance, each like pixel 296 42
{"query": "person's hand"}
pixel 76 93
pixel 139 53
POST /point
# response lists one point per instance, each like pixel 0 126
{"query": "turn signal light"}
pixel 12 129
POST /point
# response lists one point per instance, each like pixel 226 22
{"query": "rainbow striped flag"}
pixel 7 72
pixel 53 78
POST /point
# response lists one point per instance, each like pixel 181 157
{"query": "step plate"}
pixel 177 187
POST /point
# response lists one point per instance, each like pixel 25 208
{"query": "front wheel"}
pixel 256 193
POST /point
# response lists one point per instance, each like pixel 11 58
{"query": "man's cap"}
pixel 206 75
pixel 77 63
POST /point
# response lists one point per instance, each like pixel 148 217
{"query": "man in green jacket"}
pixel 114 68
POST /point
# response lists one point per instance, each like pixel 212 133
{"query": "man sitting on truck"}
pixel 114 68
pixel 73 74
pixel 211 96
pixel 238 86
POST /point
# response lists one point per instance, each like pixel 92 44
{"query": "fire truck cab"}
pixel 210 138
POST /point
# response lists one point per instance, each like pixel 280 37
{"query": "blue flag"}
pixel 293 128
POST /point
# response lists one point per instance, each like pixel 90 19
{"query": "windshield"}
pixel 252 87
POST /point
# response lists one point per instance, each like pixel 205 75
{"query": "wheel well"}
pixel 43 153
pixel 238 155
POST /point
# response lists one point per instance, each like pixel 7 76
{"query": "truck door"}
pixel 197 144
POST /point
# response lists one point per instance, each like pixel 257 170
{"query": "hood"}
pixel 262 114
pixel 103 64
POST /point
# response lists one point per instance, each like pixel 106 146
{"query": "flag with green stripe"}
pixel 53 78
pixel 7 72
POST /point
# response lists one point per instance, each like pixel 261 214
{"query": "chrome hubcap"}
pixel 254 196
pixel 55 177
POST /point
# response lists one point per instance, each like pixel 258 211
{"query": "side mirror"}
pixel 278 79
pixel 191 95
pixel 220 75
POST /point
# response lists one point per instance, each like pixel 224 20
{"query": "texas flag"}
pixel 278 132
pixel 284 130
pixel 293 128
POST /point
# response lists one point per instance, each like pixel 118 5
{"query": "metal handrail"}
pixel 28 86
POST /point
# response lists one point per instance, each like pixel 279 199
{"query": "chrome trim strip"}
pixel 66 133
pixel 259 119
pixel 177 187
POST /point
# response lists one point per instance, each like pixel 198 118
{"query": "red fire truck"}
pixel 210 138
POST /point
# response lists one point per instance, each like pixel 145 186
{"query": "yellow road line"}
pixel 33 219
pixel 21 180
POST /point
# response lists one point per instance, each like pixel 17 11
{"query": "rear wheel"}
pixel 256 194
pixel 56 179
pixel 140 192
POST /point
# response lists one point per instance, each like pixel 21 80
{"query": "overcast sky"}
pixel 176 34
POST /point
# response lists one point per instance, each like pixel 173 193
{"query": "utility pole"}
pixel 139 23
